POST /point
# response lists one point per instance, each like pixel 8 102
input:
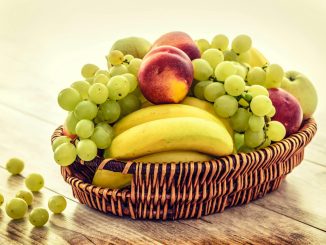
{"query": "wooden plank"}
pixel 302 196
pixel 82 225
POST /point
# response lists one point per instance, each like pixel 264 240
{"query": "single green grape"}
pixel 234 85
pixel 107 128
pixel 238 140
pixel 129 104
pixel 65 154
pixel 103 72
pixel 27 196
pixel 127 58
pixel 134 66
pixel 84 128
pixel 200 88
pixel 118 87
pixel 220 42
pixel 202 45
pixel 71 122
pixel 275 131
pixel 254 139
pixel 241 44
pixel 86 149
pixel 133 82
pixel 35 182
pixel 89 70
pixel 225 106
pixel 241 69
pixel 256 123
pixel 101 137
pixel 256 90
pixel 38 217
pixel 15 166
pixel 110 111
pixel 1 199
pixel 213 57
pixel 272 112
pixel 69 98
pixel 85 110
pixel 256 75
pixel 266 143
pixel 57 204
pixel 101 78
pixel 230 55
pixel 274 76
pixel 98 93
pixel 225 69
pixel 118 70
pixel 16 208
pixel 239 121
pixel 82 87
pixel 261 105
pixel 115 57
pixel 213 90
pixel 202 69
pixel 60 140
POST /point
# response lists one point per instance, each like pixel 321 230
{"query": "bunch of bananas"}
pixel 167 133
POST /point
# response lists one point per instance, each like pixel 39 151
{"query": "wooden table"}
pixel 40 53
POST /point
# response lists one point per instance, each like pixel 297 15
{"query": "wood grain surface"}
pixel 38 58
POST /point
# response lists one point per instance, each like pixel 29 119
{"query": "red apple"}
pixel 288 109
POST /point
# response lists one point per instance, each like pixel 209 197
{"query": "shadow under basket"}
pixel 193 189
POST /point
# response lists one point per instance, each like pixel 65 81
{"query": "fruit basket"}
pixel 191 189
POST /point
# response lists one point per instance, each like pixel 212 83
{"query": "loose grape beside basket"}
pixel 193 189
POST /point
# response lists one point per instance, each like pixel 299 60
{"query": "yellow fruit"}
pixel 156 112
pixel 257 58
pixel 174 156
pixel 112 180
pixel 180 133
pixel 206 106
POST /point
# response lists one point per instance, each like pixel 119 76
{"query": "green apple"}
pixel 300 87
pixel 136 46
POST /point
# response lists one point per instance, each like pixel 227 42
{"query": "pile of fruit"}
pixel 17 207
pixel 179 100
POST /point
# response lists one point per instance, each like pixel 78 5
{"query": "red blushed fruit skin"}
pixel 161 71
pixel 168 49
pixel 179 40
pixel 66 133
pixel 288 109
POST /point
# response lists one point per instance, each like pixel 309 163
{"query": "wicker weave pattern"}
pixel 188 190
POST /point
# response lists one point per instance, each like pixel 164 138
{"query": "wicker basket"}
pixel 189 190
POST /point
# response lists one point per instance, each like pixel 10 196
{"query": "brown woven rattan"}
pixel 189 190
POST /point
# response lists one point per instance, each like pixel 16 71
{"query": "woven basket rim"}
pixel 307 130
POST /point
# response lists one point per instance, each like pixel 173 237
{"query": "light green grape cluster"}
pixel 238 91
pixel 102 98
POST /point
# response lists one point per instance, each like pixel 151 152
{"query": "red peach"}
pixel 288 109
pixel 179 40
pixel 165 75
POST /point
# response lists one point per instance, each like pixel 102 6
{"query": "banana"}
pixel 112 180
pixel 156 112
pixel 206 106
pixel 174 156
pixel 179 133
pixel 257 58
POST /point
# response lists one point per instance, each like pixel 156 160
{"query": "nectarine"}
pixel 165 75
pixel 179 40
